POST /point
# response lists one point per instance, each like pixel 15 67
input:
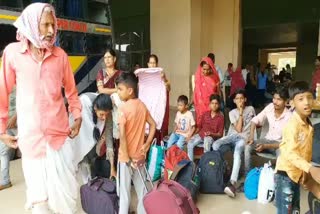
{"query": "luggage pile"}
pixel 171 179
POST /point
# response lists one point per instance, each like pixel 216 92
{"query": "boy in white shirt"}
pixel 184 124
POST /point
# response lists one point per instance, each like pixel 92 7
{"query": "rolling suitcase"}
pixel 167 196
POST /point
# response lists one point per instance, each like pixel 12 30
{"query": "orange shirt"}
pixel 133 115
pixel 41 113
pixel 296 149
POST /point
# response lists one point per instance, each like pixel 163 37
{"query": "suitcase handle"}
pixel 95 183
pixel 144 181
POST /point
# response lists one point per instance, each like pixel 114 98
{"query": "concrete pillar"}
pixel 170 40
pixel 184 31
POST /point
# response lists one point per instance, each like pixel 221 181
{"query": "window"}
pixel 132 48
pixel 73 43
pixel 85 10
pixel 97 44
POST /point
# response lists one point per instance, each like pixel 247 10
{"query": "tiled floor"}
pixel 12 200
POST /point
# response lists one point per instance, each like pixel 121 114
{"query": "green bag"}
pixel 156 160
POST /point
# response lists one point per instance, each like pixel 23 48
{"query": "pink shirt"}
pixel 275 124
pixel 42 116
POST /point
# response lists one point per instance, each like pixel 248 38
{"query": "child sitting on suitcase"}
pixel 184 124
pixel 210 128
pixel 294 163
pixel 133 116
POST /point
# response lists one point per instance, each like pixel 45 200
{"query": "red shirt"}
pixel 315 79
pixel 210 124
pixel 42 116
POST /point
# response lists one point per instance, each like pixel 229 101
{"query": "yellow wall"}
pixel 183 31
pixel 170 40
pixel 220 30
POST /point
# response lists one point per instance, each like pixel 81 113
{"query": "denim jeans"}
pixel 287 195
pixel 249 149
pixel 5 156
pixel 176 139
pixel 238 142
pixel 196 140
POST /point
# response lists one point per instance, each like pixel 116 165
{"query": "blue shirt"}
pixel 262 81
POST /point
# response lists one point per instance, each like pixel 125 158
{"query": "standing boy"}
pixel 133 116
pixel 294 162
pixel 184 124
pixel 210 128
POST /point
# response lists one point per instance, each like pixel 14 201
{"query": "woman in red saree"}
pixel 207 82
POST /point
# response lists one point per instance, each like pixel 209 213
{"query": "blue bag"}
pixel 251 184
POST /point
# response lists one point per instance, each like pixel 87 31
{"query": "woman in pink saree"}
pixel 207 82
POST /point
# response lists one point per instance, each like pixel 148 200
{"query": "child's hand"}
pixel 9 140
pixel 260 147
pixel 145 148
pixel 187 139
pixel 315 173
pixel 250 142
pixel 113 174
pixel 137 163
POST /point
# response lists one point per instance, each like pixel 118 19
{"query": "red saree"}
pixel 237 81
pixel 204 87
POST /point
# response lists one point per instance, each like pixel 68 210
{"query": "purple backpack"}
pixel 99 196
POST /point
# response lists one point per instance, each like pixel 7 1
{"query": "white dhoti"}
pixel 52 179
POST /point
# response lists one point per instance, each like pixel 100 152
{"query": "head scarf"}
pixel 237 81
pixel 204 87
pixel 28 23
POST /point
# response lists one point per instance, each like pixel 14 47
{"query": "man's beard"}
pixel 46 38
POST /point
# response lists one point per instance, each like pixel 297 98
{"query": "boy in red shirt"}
pixel 210 129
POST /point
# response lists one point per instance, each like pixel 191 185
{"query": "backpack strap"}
pixel 178 168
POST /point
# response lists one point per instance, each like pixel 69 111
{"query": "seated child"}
pixel 238 134
pixel 210 128
pixel 184 124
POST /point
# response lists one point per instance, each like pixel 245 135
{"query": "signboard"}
pixel 70 25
